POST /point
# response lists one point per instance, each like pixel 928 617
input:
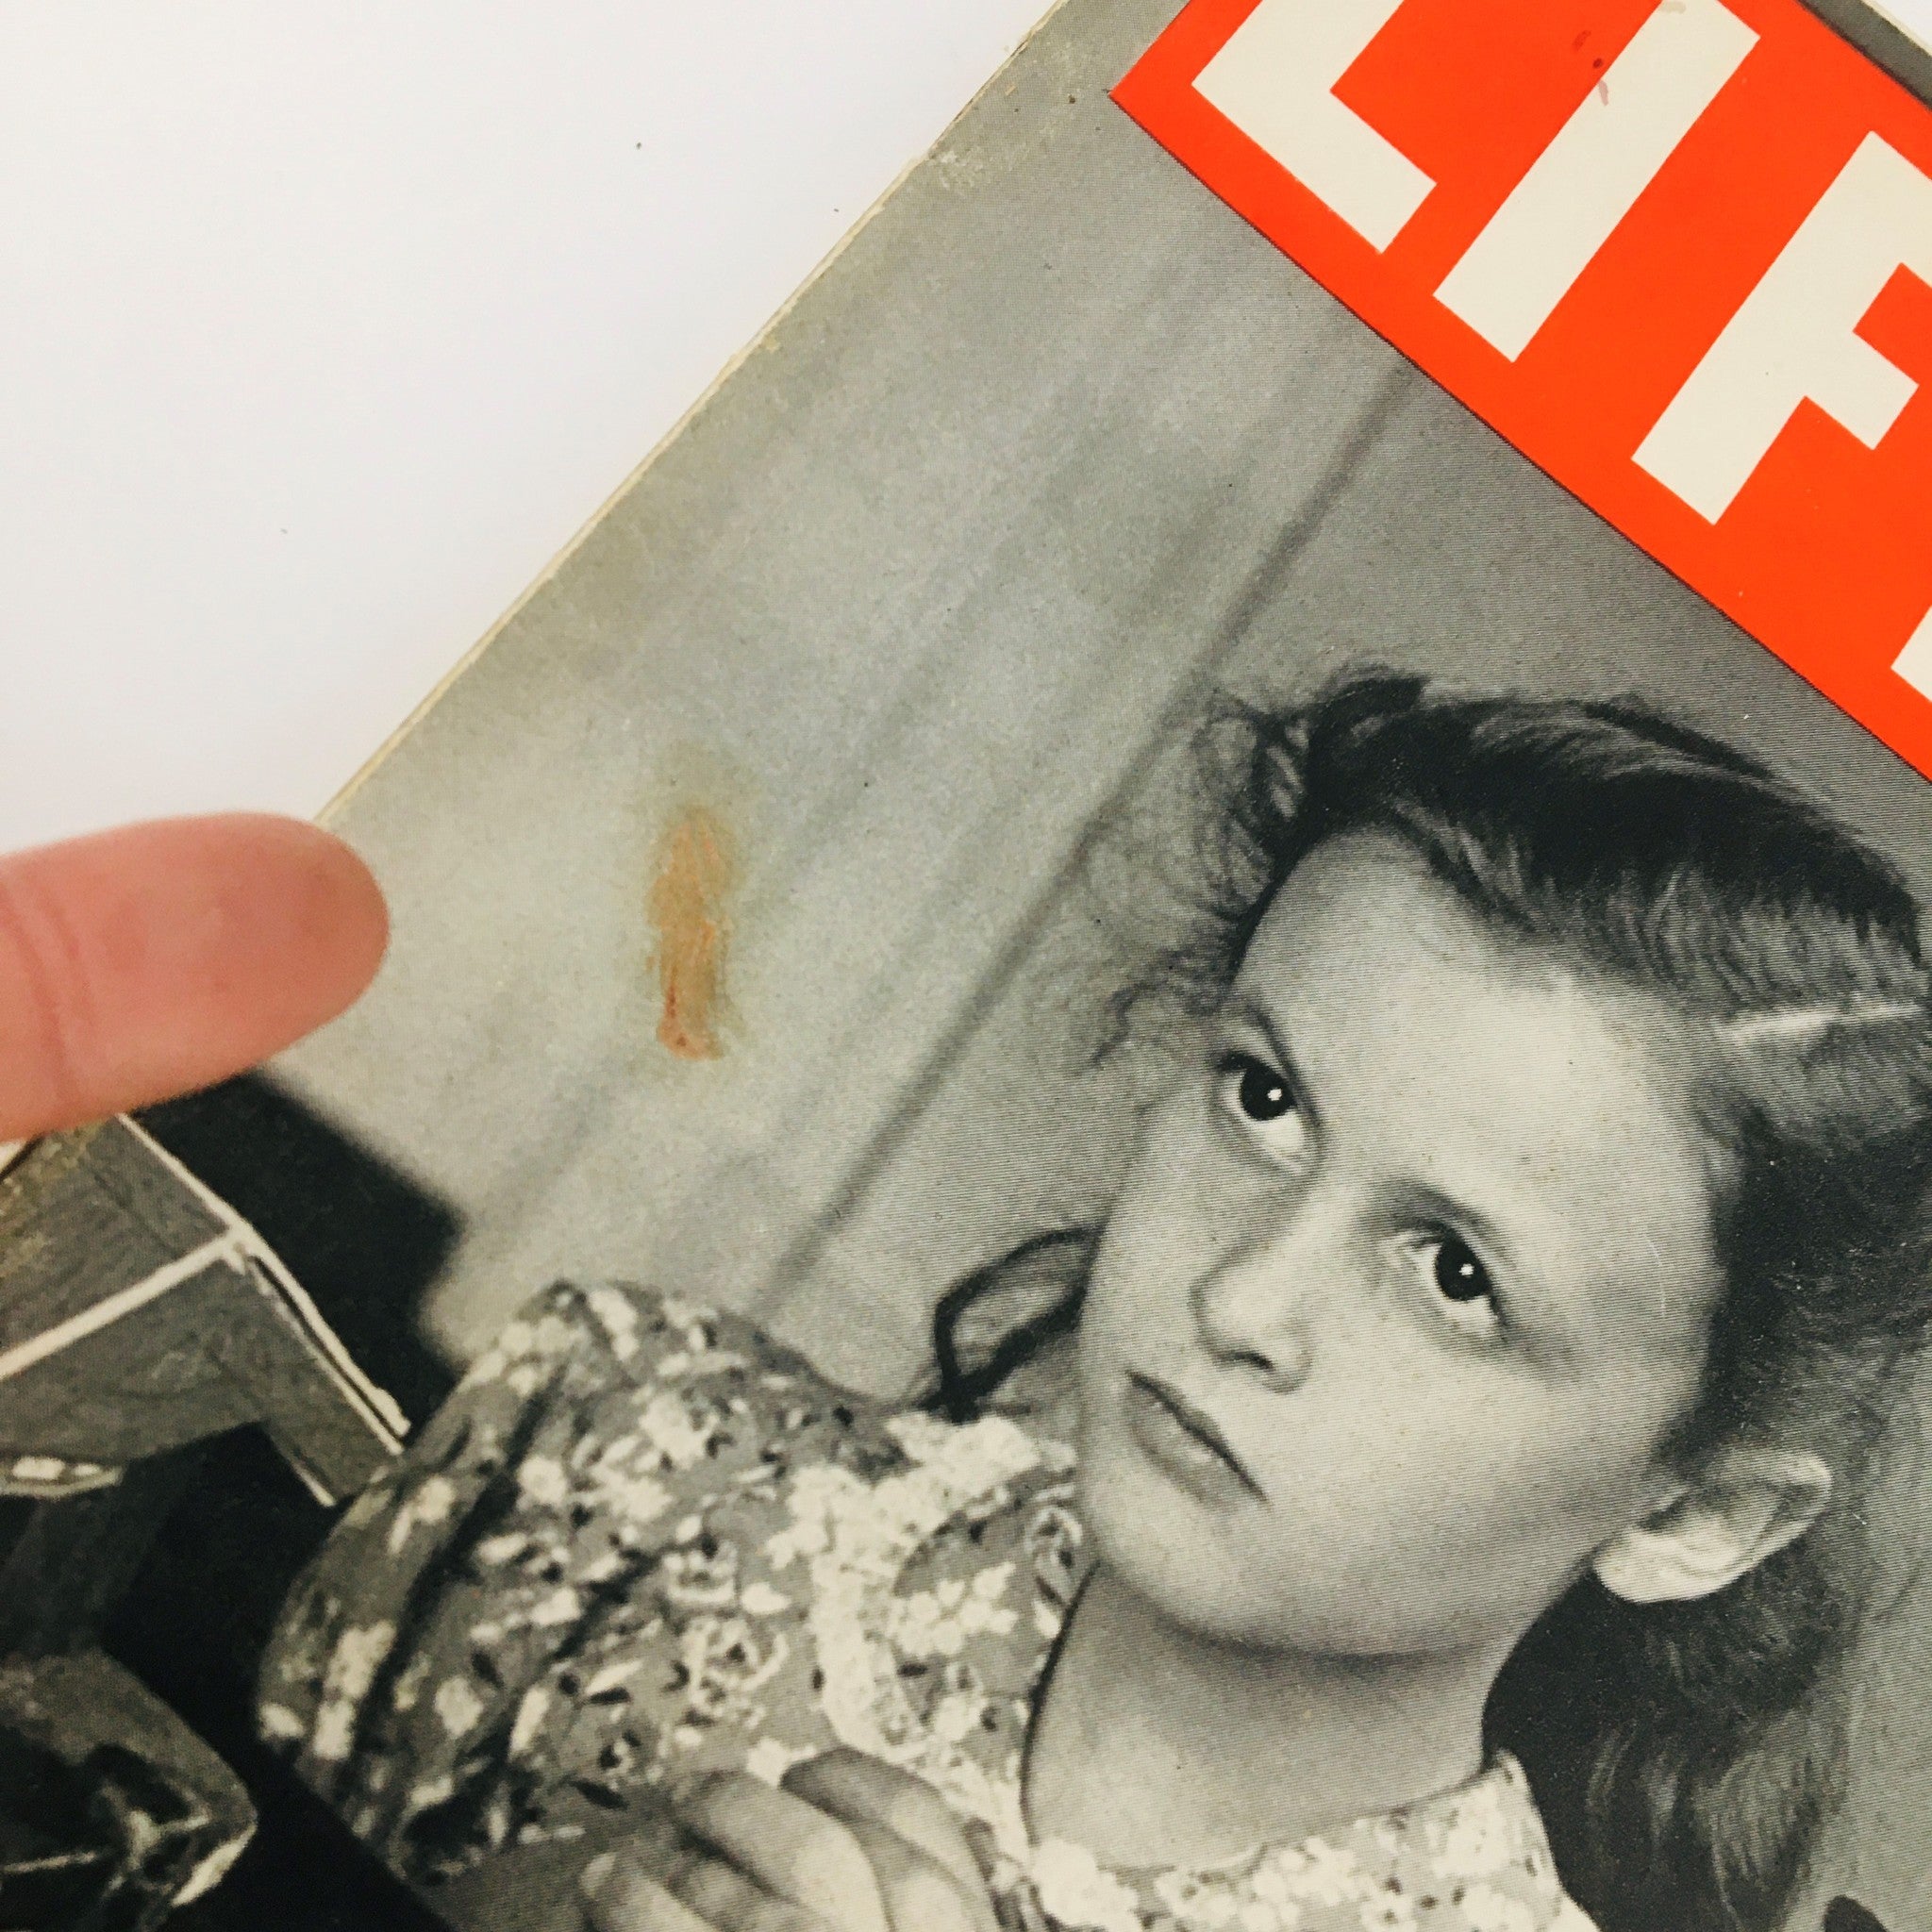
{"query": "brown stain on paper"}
pixel 686 911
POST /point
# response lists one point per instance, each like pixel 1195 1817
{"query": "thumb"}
pixel 147 961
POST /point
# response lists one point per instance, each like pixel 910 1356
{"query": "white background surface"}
pixel 324 327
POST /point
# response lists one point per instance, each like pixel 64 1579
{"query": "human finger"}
pixel 670 1852
pixel 651 1841
pixel 920 1893
pixel 725 1898
pixel 620 1896
pixel 148 961
pixel 856 1787
pixel 790 1847
pixel 698 1894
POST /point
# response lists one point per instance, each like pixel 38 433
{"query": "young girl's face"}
pixel 1408 1284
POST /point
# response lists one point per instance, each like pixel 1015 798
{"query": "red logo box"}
pixel 1679 252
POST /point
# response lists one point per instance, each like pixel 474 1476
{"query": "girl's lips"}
pixel 1159 1413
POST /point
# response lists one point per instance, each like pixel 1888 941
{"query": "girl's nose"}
pixel 1250 1310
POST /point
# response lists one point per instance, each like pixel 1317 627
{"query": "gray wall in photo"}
pixel 912 607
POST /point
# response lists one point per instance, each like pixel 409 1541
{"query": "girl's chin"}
pixel 1185 1591
pixel 1142 1526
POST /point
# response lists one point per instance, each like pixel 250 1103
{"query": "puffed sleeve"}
pixel 445 1672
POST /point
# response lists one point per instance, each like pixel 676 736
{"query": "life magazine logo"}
pixel 1679 252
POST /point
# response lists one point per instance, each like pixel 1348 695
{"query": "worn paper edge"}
pixel 398 737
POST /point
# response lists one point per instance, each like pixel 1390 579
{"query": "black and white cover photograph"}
pixel 1141 1148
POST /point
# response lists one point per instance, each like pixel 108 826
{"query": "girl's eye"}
pixel 1458 1282
pixel 1263 1103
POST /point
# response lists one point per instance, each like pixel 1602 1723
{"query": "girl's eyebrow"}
pixel 1537 1321
pixel 1460 1214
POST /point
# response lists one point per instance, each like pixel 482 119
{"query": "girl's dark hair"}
pixel 1685 1754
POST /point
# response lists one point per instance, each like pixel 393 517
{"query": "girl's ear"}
pixel 1749 1503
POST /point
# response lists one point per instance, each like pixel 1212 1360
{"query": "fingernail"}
pixel 598 1874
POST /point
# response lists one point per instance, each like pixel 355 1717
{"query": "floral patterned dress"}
pixel 641 1541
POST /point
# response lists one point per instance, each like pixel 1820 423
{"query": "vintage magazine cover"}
pixel 1157 1048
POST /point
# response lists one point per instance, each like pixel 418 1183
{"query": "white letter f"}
pixel 1793 337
